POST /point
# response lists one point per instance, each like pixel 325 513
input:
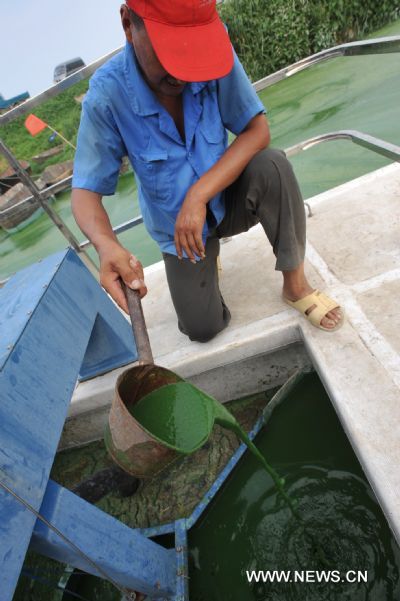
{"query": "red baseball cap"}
pixel 188 37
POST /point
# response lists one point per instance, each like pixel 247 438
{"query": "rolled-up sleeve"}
pixel 100 148
pixel 238 101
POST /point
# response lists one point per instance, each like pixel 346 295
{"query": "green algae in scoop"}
pixel 182 417
pixel 178 415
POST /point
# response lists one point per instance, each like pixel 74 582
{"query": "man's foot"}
pixel 330 314
pixel 296 288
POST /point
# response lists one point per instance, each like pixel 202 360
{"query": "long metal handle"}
pixel 138 326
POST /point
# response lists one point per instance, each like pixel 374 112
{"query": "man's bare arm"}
pixel 115 260
pixel 190 220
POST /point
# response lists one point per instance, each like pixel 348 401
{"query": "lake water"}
pixel 345 93
pixel 249 526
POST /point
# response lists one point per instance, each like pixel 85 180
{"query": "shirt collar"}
pixel 142 99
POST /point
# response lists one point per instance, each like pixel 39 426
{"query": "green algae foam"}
pixel 178 415
pixel 248 527
pixel 182 417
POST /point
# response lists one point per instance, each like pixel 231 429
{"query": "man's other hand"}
pixel 189 227
pixel 116 263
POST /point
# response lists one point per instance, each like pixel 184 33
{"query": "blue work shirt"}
pixel 122 116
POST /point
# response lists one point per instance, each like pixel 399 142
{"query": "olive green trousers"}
pixel 266 192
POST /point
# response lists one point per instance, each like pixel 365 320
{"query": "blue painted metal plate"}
pixel 48 312
pixel 19 298
pixel 125 555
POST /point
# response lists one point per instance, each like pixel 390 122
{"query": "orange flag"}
pixel 34 125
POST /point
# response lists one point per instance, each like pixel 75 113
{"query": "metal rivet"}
pixel 29 313
pixel 9 347
pixel 44 285
pixel 179 549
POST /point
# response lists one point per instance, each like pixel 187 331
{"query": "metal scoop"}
pixel 132 447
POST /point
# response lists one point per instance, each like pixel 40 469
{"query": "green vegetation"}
pixel 271 34
pixel 267 35
pixel 62 113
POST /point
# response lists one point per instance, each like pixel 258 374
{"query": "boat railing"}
pixel 375 46
pixel 386 149
pixel 383 45
pixel 63 184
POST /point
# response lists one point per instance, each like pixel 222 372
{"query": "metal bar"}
pixel 125 557
pixel 158 530
pixel 386 149
pixel 58 222
pixel 122 227
pixel 182 563
pixel 97 568
pixel 45 193
pixel 377 145
pixel 377 46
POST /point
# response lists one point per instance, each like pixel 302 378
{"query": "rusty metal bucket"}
pixel 129 445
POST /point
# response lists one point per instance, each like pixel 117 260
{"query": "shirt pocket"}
pixel 154 173
pixel 215 136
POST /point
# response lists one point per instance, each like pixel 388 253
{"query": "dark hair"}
pixel 135 19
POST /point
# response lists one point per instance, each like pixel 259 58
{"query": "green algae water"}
pixel 182 417
pixel 248 526
pixel 178 415
pixel 330 96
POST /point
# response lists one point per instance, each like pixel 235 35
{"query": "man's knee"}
pixel 267 165
pixel 204 330
pixel 270 180
pixel 204 335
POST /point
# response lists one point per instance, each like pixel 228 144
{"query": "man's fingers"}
pixel 193 245
pixel 131 273
pixel 128 274
pixel 189 243
pixel 199 245
pixel 178 245
pixel 138 283
pixel 136 266
pixel 140 286
pixel 114 289
pixel 186 247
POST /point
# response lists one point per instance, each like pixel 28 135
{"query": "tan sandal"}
pixel 323 304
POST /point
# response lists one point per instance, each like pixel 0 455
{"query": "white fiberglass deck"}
pixel 353 254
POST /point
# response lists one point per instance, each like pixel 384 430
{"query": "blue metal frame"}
pixel 54 318
pixel 181 527
pixel 210 494
pixel 131 560
pixel 51 327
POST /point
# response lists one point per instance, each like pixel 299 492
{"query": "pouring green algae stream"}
pixel 182 417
